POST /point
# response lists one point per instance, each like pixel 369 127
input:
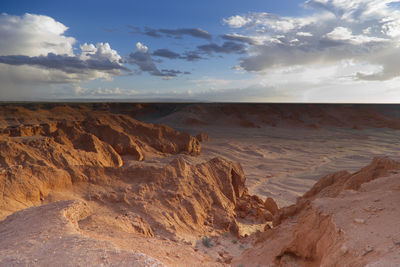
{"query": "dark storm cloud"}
pixel 174 33
pixel 67 64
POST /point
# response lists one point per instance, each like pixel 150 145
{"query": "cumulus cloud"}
pixel 98 57
pixel 99 52
pixel 34 50
pixel 174 33
pixel 365 31
pixel 33 35
pixel 67 64
pixel 237 21
pixel 346 35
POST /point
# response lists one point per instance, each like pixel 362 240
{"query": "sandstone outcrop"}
pixel 70 175
pixel 182 200
pixel 203 137
pixel 271 206
pixel 54 153
pixel 331 224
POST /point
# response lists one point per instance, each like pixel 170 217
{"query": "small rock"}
pixel 344 249
pixel 367 250
pixel 203 137
pixel 228 260
pixel 359 221
pixel 271 205
pixel 267 227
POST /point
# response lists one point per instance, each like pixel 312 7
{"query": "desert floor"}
pixel 285 162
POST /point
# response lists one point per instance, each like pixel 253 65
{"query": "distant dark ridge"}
pixel 346 115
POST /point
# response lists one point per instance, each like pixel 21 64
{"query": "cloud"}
pixel 166 53
pixel 307 34
pixel 174 33
pixel 346 35
pixel 188 55
pixel 143 59
pixel 237 21
pixel 239 38
pixel 39 42
pixel 171 73
pixel 99 52
pixel 33 35
pixel 194 32
pixel 251 40
pixel 146 31
pixel 192 56
pixel 116 92
pixel 226 48
pixel 65 63
pixel 365 31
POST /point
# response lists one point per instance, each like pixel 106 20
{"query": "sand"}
pixel 284 162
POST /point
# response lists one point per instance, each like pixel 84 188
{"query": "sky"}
pixel 308 51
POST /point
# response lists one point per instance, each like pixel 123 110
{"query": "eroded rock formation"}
pixel 342 221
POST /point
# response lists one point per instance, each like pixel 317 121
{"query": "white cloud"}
pixel 309 34
pixel 237 21
pixel 33 35
pixel 345 34
pixel 100 51
pixel 99 92
pixel 141 47
pixel 340 33
pixel 35 52
pixel 359 30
